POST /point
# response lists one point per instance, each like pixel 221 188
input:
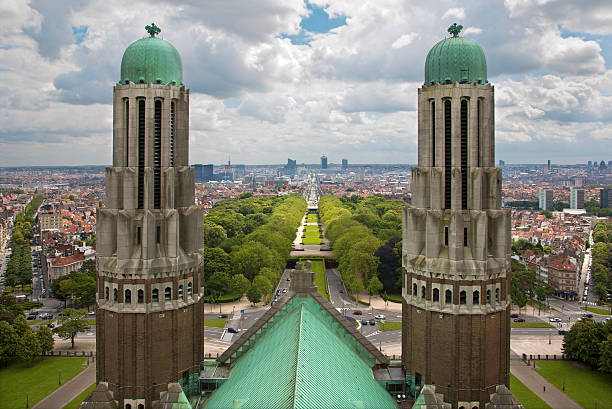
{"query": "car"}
pixel 31 317
pixel 46 316
pixel 91 313
pixel 233 330
pixel 514 315
pixel 562 331
pixel 364 322
pixel 341 291
pixel 554 319
pixel 519 319
pixel 357 312
pixel 379 317
pixel 587 315
pixel 372 322
pixel 284 290
pixel 557 319
pixel 222 315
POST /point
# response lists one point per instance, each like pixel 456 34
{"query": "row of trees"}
pixel 363 233
pixel 601 265
pixel 19 341
pixel 247 242
pixel 19 268
pixel 527 285
pixel 591 343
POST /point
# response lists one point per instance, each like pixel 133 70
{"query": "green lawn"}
pixel 318 266
pixel 311 235
pixel 581 384
pixel 394 298
pixel 312 218
pixel 215 322
pixel 524 395
pixel 531 325
pixel 390 325
pixel 79 399
pixel 39 380
pixel 602 311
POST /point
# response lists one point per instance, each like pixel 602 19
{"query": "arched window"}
pixel 180 294
pixel 462 297
pixel 448 297
pixel 436 295
pixel 488 296
pixel 106 293
pixel 433 133
pixel 140 406
pixel 168 293
pixel 128 406
pixel 415 290
pixel 155 295
pixel 476 297
pixel 189 288
pixel 115 295
pixel 423 291
pixel 128 297
pixel 497 294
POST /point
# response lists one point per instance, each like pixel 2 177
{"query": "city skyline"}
pixel 278 79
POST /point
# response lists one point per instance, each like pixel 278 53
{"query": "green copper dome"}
pixel 151 59
pixel 455 59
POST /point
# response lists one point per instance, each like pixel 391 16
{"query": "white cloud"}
pixel 472 30
pixel 456 12
pixel 404 40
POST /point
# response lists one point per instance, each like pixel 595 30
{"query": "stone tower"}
pixel 150 311
pixel 456 238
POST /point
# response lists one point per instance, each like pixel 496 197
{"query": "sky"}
pixel 277 79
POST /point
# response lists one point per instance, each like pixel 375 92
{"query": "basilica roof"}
pixel 151 59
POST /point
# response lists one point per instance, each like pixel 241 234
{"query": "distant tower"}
pixel 344 164
pixel 150 308
pixel 548 166
pixel 576 198
pixel 545 197
pixel 323 162
pixel 456 237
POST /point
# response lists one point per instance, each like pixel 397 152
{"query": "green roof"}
pixel 303 358
pixel 151 59
pixel 455 59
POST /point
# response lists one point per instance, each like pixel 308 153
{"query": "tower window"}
pixel 138 235
pixel 155 295
pixel 447 154
pixel 140 296
pixel 141 152
pixel 140 406
pixel 446 236
pixel 465 237
pixel 115 295
pixel 464 155
pixel 157 155
pixel 488 296
pixel 436 295
pixel 423 291
pixel 448 297
pixel 158 234
pixel 128 406
pixel 127 132
pixel 433 133
pixel 106 293
pixel 476 297
pixel 167 293
pixel 415 290
pixel 172 114
pixel 497 294
pixel 462 297
pixel 189 288
pixel 128 297
pixel 180 291
pixel 478 108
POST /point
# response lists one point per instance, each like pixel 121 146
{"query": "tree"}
pixel 72 322
pixel 8 341
pixel 217 285
pixel 263 282
pixel 88 265
pixel 45 339
pixel 215 261
pixel 374 287
pixel 21 325
pixel 254 294
pixel 28 347
pixel 251 257
pixel 213 235
pixel 605 355
pixel 68 288
pixel 239 284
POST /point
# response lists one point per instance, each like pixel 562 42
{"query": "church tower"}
pixel 456 237
pixel 150 310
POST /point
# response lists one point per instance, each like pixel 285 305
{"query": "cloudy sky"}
pixel 272 79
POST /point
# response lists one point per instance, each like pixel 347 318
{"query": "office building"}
pixel 344 164
pixel 576 198
pixel 323 162
pixel 605 198
pixel 545 199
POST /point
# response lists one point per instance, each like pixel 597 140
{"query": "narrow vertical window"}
pixel 115 295
pixel 157 155
pixel 447 154
pixel 189 288
pixel 497 294
pixel 414 290
pixel 141 152
pixel 172 114
pixel 140 296
pixel 478 131
pixel 127 297
pixel 180 293
pixel 167 293
pixel 127 132
pixel 465 237
pixel 433 133
pixel 448 297
pixel 488 296
pixel 423 291
pixel 436 295
pixel 138 235
pixel 476 297
pixel 446 235
pixel 462 297
pixel 158 235
pixel 464 154
pixel 155 295
pixel 106 293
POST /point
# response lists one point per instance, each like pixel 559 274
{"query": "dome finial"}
pixel 153 30
pixel 455 29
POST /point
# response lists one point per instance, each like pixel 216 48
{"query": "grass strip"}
pixel 531 325
pixel 389 325
pixel 76 402
pixel 600 311
pixel 524 395
pixel 215 322
pixel 318 267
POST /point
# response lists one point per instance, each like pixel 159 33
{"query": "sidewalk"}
pixel 534 381
pixel 70 390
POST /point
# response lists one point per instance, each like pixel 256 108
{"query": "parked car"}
pixel 222 315
pixel 379 317
pixel 372 322
pixel 555 319
pixel 357 312
pixel 46 316
pixel 514 315
pixel 364 322
pixel 562 331
pixel 519 319
pixel 31 317
pixel 232 330
pixel 587 315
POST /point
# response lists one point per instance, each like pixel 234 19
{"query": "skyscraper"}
pixel 605 197
pixel 150 308
pixel 323 162
pixel 548 164
pixel 203 173
pixel 545 199
pixel 344 164
pixel 576 198
pixel 456 237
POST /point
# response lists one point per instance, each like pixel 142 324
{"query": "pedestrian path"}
pixel 541 387
pixel 70 390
